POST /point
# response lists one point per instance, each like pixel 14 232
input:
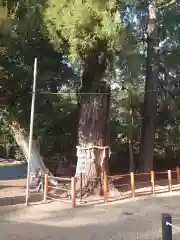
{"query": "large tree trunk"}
pixel 93 129
pixel 150 96
pixel 93 136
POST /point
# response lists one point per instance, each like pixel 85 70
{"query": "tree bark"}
pixel 22 139
pixel 36 161
pixel 150 96
pixel 93 128
pixel 93 136
pixel 130 141
pixel 131 157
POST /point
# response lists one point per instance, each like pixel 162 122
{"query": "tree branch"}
pixel 167 4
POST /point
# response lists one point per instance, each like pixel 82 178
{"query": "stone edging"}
pixel 14 200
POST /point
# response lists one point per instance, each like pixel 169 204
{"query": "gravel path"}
pixel 133 219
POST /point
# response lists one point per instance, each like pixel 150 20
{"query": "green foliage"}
pixel 18 155
pixel 53 29
pixel 82 24
pixel 17 55
pixel 56 124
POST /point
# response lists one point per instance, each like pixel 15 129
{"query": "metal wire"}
pixel 84 93
pixel 79 93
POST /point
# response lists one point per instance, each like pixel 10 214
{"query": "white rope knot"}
pixel 87 155
pixel 91 153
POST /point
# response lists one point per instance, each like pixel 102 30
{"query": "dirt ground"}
pixel 132 219
pixel 13 188
pixel 136 218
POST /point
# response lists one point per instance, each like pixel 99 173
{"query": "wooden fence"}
pixel 130 183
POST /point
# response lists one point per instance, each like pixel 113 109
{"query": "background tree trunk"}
pixel 23 143
pixel 17 130
pixel 130 142
pixel 150 96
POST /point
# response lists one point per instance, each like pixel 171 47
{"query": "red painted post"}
pixel 177 173
pixel 132 184
pixel 152 182
pixel 45 187
pixel 105 187
pixel 170 180
pixel 73 191
pixel 81 184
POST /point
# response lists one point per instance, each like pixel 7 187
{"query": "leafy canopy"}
pixel 82 24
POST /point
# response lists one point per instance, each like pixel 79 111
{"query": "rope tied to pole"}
pixel 172 225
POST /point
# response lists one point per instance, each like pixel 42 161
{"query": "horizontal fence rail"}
pixel 63 190
pixel 147 183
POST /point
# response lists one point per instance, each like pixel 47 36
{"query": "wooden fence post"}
pixel 177 173
pixel 166 227
pixel 152 182
pixel 105 190
pixel 45 187
pixel 170 180
pixel 73 191
pixel 81 185
pixel 132 184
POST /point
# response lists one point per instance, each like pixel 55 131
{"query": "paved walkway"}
pixel 133 219
pixel 14 171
